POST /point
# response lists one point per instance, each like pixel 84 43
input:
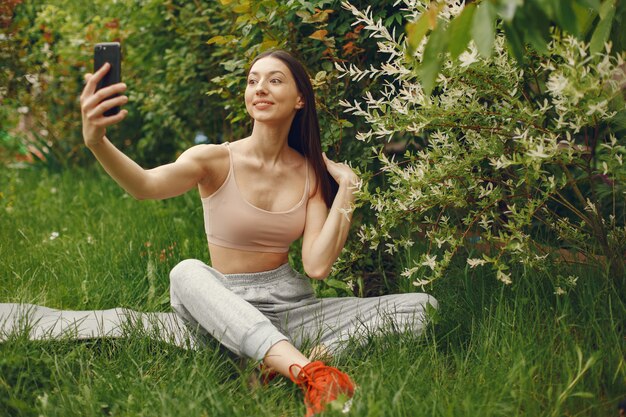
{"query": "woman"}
pixel 259 195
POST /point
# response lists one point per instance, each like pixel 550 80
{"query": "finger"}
pixel 104 93
pixel 96 115
pixel 109 91
pixel 93 81
pixel 106 105
pixel 111 120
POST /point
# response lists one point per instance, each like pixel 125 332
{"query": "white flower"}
pixel 474 262
pixel 468 58
pixel 53 235
pixel 421 282
pixel 408 272
pixel 539 152
pixel 485 222
pixel 485 191
pixel 440 242
pixel 501 162
pixel 505 278
pixel 43 399
pixel 559 291
pixel 557 83
pixel 571 280
pixel 599 108
pixel 591 207
pixel 430 261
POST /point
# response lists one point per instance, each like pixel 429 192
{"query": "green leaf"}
pixel 346 123
pixel 220 40
pixel 514 42
pixel 546 7
pixel 328 292
pixel 483 28
pixel 566 17
pixel 605 9
pixel 416 31
pixel 536 28
pixel 459 31
pixel 433 57
pixel 584 18
pixel 506 9
pixel 592 4
pixel 601 34
pixel 335 283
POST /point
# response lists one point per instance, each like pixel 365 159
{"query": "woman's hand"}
pixel 342 173
pixel 93 104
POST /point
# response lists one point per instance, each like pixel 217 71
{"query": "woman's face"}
pixel 271 92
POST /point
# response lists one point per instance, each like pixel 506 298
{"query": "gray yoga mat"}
pixel 43 323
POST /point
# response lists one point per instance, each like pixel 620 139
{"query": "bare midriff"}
pixel 236 261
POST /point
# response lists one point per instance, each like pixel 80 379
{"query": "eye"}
pixel 251 81
pixel 276 81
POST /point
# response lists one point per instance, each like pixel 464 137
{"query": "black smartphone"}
pixel 110 52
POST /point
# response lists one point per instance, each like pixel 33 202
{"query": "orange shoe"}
pixel 323 385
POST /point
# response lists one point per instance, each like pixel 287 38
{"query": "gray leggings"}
pixel 249 313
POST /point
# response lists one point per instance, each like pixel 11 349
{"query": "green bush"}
pixel 528 160
pixel 174 52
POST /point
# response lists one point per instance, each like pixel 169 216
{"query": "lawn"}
pixel 75 240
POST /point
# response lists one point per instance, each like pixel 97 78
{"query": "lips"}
pixel 262 103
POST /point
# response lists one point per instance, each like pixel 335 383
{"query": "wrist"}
pixel 94 145
pixel 349 182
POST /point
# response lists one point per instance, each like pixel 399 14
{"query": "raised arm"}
pixel 326 231
pixel 158 183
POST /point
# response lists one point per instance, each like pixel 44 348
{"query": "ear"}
pixel 300 103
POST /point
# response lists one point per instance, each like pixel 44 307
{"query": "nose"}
pixel 260 87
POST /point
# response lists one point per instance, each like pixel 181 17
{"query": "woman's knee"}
pixel 418 302
pixel 184 269
pixel 181 274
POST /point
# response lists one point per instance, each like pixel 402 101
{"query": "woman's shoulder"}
pixel 209 150
pixel 212 158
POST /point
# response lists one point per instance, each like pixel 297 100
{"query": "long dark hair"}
pixel 304 134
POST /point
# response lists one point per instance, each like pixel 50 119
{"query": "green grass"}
pixel 492 351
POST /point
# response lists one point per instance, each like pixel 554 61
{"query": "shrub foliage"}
pixel 525 159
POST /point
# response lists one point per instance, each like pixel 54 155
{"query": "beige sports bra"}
pixel 233 222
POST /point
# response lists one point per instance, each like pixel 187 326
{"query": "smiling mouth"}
pixel 262 103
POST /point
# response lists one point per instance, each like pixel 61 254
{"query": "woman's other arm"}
pixel 326 231
pixel 158 183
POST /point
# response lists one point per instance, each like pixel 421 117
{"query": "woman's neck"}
pixel 268 142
